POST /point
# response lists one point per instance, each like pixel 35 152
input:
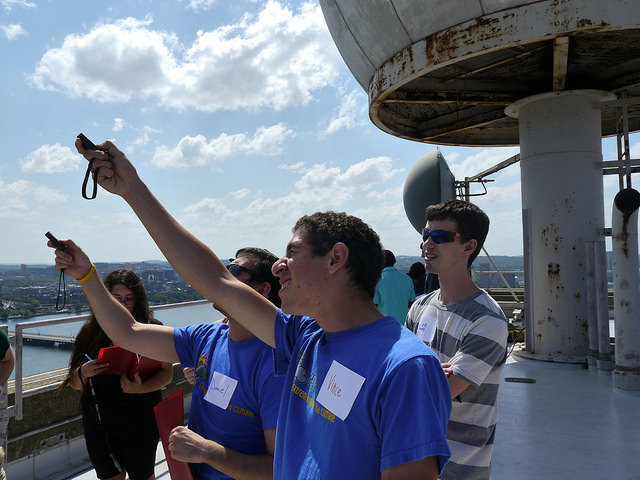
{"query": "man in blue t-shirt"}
pixel 235 399
pixel 363 397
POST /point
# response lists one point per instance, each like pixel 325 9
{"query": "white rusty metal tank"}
pixel 443 71
pixel 548 75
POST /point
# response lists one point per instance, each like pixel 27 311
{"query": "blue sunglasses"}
pixel 441 236
pixel 236 270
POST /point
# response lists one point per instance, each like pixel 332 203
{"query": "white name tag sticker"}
pixel 221 389
pixel 427 328
pixel 339 390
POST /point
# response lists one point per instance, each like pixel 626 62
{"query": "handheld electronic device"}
pixel 88 144
pixel 57 243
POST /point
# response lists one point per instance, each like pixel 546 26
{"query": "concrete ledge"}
pixel 53 420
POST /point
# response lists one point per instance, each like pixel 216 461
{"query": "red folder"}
pixel 123 361
pixel 170 414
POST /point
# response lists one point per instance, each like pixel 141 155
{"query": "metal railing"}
pixel 20 394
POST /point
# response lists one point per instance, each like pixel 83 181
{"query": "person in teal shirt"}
pixel 394 292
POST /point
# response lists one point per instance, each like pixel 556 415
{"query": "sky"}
pixel 240 117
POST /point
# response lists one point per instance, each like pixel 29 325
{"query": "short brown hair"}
pixel 324 229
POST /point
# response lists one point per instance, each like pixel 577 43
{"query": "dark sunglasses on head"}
pixel 441 236
pixel 235 269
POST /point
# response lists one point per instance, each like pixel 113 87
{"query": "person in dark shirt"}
pixel 418 276
pixel 123 438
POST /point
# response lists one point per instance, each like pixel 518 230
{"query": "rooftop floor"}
pixel 570 423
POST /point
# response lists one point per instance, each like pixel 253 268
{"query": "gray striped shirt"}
pixel 472 336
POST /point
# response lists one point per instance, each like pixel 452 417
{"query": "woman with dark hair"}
pixel 117 413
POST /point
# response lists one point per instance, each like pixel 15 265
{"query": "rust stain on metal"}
pixel 624 236
pixel 550 236
pixel 627 306
pixel 584 23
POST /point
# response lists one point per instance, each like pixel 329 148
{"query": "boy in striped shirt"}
pixel 467 330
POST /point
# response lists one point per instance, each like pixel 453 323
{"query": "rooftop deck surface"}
pixel 570 424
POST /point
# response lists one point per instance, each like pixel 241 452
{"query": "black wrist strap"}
pixel 61 281
pixel 94 176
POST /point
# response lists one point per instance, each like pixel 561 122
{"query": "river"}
pixel 43 359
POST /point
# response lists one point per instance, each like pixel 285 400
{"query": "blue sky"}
pixel 241 117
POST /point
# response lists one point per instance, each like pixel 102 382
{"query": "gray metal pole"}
pixel 592 305
pixel 602 296
pixel 626 279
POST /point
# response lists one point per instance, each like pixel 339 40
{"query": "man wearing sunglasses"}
pixel 353 404
pixel 467 330
pixel 242 422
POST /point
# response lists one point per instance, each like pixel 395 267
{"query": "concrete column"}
pixel 624 234
pixel 560 155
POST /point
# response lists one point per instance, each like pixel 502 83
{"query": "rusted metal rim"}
pixel 408 95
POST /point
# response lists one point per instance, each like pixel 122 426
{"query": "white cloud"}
pixel 113 62
pixel 51 159
pixel 352 112
pixel 207 205
pixel 23 199
pixel 13 31
pixel 359 176
pixel 238 194
pixel 144 137
pixel 319 188
pixel 118 124
pixel 200 4
pixel 198 151
pixel 275 59
pixel 9 4
pixel 294 167
pixel 369 172
pixel 390 194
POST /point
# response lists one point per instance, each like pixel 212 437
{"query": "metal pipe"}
pixel 602 300
pixel 626 280
pixel 592 305
pixel 18 373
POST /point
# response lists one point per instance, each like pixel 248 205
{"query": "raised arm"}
pixel 154 341
pixel 191 258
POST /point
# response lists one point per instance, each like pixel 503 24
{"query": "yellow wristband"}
pixel 89 274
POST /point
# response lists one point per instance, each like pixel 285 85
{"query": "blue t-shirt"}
pixel 398 414
pixel 253 405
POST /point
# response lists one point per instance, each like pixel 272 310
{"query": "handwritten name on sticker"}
pixel 334 388
pixel 340 389
pixel 220 390
pixel 427 328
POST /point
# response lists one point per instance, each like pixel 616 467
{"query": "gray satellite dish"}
pixel 429 182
